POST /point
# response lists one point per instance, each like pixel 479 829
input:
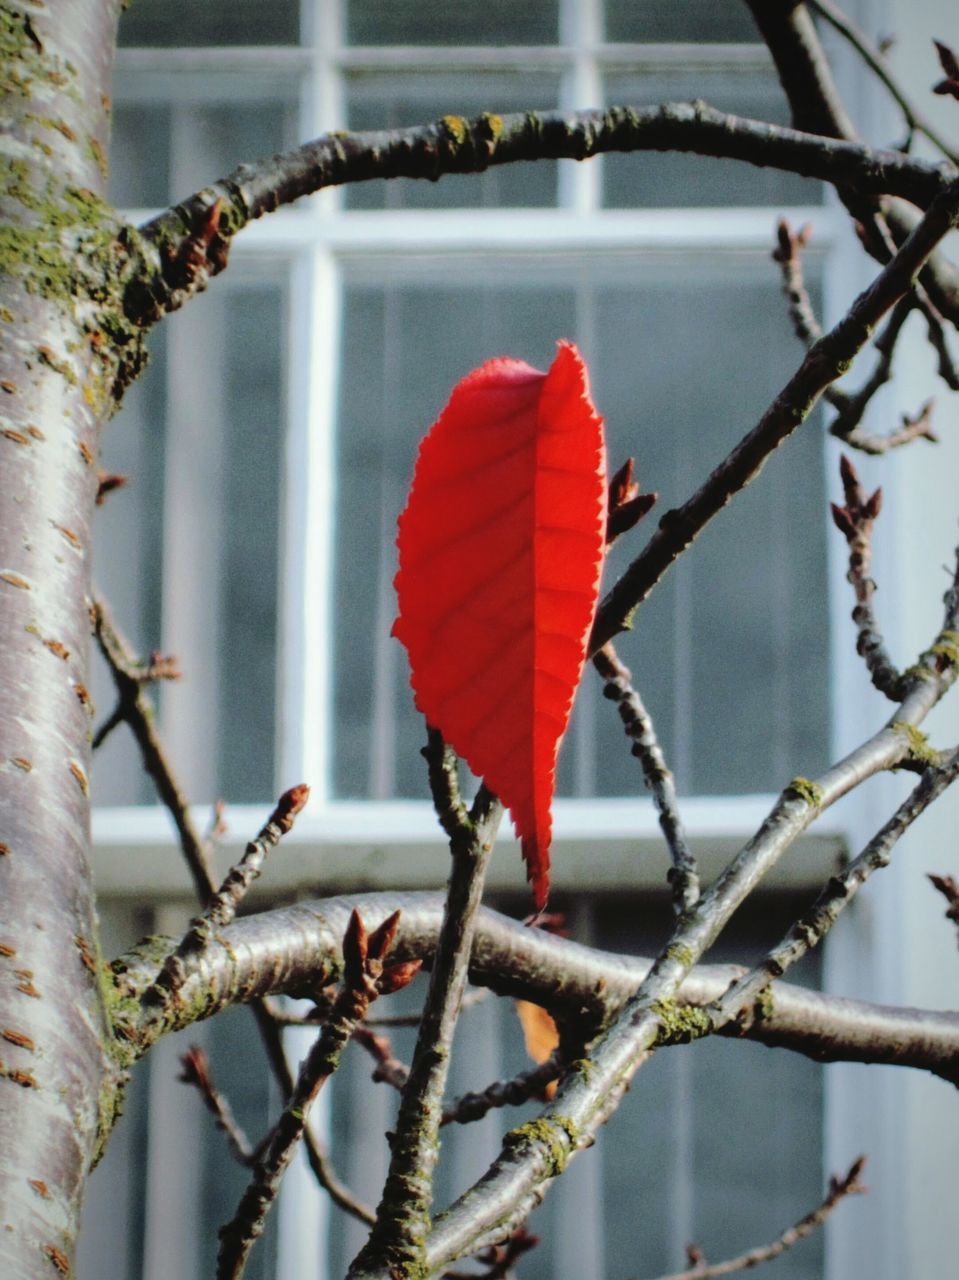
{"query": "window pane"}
pixel 655 180
pixel 480 22
pixel 169 23
pixel 729 652
pixel 699 21
pixel 175 134
pixel 128 554
pixel 197 529
pixel 730 649
pixel 395 100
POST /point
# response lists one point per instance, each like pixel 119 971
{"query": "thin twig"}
pixel 850 407
pixel 468 1106
pixel 949 889
pixel 191 244
pixel 839 1189
pixel 846 425
pixel 222 907
pixel 135 707
pixel 917 426
pixel 443 774
pixel 317 1156
pixel 113 721
pixel 128 676
pixel 742 1002
pixel 533 1154
pixel 855 521
pixel 787 254
pixel 873 59
pixel 513 1092
pixel 402 1221
pixel 501 1258
pixel 389 1069
pixel 195 1070
pixel 365 977
pixel 806 77
pixel 638 724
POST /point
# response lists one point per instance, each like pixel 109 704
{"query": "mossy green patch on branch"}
pixel 764 1006
pixel 681 954
pixel 919 747
pixel 493 125
pixel 457 127
pixel 947 647
pixel 804 789
pixel 680 1023
pixel 546 1133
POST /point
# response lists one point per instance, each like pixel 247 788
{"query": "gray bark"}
pixel 60 367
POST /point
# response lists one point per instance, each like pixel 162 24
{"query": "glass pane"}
pixel 480 22
pixel 694 21
pixel 396 100
pixel 128 562
pixel 187 553
pixel 655 180
pixel 169 23
pixel 168 146
pixel 729 650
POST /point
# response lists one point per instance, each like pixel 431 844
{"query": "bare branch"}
pixel 389 1069
pixel 402 1219
pixel 825 361
pixel 506 1093
pixel 639 728
pixel 316 1154
pixel 181 236
pixel 292 950
pixel 814 99
pixel 741 1003
pixel 195 1070
pixel 134 707
pixel 949 889
pixel 850 407
pixel 854 521
pixel 222 907
pixel 535 1153
pixel 789 246
pixel 443 776
pixel 364 974
pixel 873 59
pixel 469 1106
pixel 839 1189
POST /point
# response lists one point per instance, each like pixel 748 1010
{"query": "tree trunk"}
pixel 66 353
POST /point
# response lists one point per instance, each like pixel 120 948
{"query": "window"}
pixel 270 446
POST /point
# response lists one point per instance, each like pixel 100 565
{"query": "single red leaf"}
pixel 500 554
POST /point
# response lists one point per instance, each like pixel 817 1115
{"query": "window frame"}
pixel 397 842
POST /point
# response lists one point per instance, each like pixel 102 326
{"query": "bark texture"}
pixel 66 351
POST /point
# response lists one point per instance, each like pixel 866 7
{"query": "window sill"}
pixel 603 845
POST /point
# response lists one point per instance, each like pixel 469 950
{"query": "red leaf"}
pixel 500 554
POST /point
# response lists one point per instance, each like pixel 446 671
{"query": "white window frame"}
pixel 903 1225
